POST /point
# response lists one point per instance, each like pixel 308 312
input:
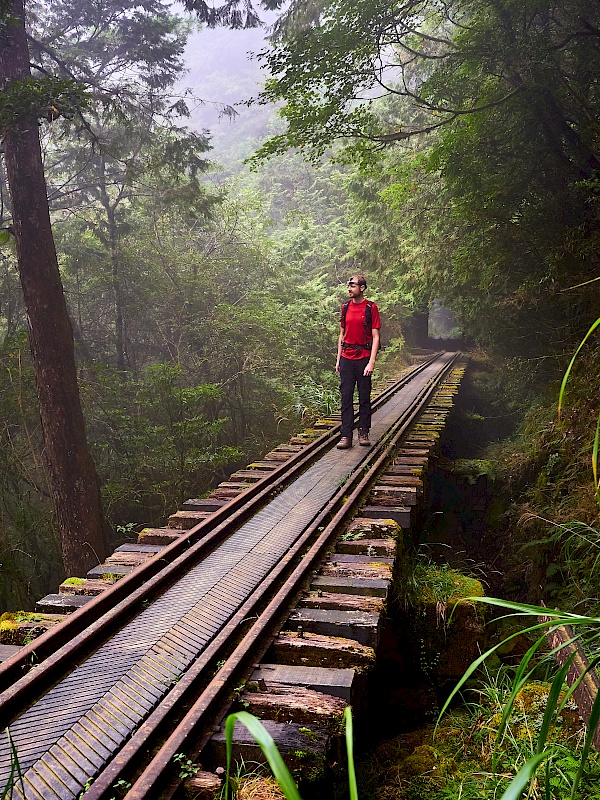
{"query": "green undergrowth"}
pixel 548 541
pixel 464 758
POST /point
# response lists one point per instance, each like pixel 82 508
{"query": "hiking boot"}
pixel 345 443
pixel 363 437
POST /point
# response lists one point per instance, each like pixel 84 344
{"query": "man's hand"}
pixel 369 369
pixel 337 366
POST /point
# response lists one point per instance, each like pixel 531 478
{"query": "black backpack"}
pixel 368 326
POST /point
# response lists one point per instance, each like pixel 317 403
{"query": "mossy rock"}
pixel 23 626
pixel 448 626
pixel 530 707
pixel 448 586
pixel 9 630
pixel 473 469
pixel 423 759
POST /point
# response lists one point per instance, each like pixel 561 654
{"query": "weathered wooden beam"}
pixel 403 515
pixel 162 536
pixel 350 584
pixel 362 626
pixel 338 682
pixel 295 704
pixel 337 601
pixel 62 603
pixel 189 519
pixel 204 504
pixel 361 527
pixel 128 559
pixel 367 547
pixel 585 694
pixel 91 587
pixel 360 571
pixel 394 495
pixel 135 547
pixel 248 475
pixel 302 748
pixel 118 570
pixel 317 650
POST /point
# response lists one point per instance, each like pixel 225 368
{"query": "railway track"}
pixel 148 669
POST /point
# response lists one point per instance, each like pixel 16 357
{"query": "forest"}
pixel 172 264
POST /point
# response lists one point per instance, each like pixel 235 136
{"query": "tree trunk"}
pixel 73 478
pixel 111 222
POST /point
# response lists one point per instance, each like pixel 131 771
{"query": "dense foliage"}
pixel 477 124
pixel 200 338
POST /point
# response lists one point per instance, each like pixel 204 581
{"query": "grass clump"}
pixel 433 584
pixel 258 788
pixel 467 758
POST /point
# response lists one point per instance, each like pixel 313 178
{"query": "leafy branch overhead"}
pixel 383 72
pixel 45 98
pixel 232 14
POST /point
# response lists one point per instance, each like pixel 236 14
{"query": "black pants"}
pixel 351 375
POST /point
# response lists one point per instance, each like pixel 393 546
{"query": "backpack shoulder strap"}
pixel 343 313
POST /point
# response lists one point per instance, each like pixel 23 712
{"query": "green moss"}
pixel 422 760
pixel 474 468
pixel 308 732
pixel 311 765
pixel 7 616
pixel 432 584
pixel 29 616
pixel 74 581
pixel 8 631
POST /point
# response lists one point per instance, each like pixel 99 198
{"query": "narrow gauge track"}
pixel 82 629
pixel 137 684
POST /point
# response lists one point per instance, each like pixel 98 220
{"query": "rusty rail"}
pixel 184 715
pixel 158 778
pixel 62 643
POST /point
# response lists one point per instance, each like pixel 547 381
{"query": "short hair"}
pixel 361 280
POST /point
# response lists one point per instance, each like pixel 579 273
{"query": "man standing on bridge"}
pixel 358 345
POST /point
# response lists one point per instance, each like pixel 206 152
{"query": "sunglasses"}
pixel 353 283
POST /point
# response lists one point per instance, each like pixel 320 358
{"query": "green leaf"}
pixel 552 702
pixel 265 741
pixel 595 461
pixel 350 750
pixel 569 368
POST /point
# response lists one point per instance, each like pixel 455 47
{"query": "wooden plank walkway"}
pixel 63 738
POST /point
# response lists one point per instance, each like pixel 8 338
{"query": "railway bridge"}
pixel 271 593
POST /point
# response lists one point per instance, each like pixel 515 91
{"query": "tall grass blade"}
pixel 524 610
pixel 552 702
pixel 570 367
pixel 15 771
pixel 267 745
pixel 350 750
pixel 579 285
pixel 595 460
pixel 589 739
pixel 519 783
pixel 520 680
